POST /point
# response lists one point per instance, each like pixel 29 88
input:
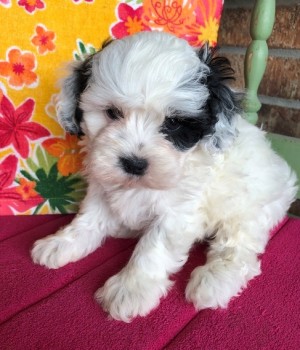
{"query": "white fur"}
pixel 237 193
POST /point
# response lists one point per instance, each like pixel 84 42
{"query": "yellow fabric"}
pixel 69 22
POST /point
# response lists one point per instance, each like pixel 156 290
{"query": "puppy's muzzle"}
pixel 133 165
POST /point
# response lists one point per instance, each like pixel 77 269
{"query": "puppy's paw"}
pixel 125 296
pixel 211 287
pixel 53 252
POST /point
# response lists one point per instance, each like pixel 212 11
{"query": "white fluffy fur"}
pixel 237 193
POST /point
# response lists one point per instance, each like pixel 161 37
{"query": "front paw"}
pixel 214 285
pixel 125 296
pixel 53 252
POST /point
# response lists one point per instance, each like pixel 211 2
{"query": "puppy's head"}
pixel 144 103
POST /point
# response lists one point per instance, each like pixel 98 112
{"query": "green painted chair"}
pixel 262 21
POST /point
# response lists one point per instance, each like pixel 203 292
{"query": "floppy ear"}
pixel 223 103
pixel 69 112
pixel 68 109
pixel 222 99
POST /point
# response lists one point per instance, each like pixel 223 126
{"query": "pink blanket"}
pixel 55 309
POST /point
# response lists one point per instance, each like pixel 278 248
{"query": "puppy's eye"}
pixel 172 124
pixel 114 113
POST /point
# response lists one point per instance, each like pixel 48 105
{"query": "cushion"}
pixel 55 309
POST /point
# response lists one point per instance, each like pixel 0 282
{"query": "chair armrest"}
pixel 289 149
pixel 262 21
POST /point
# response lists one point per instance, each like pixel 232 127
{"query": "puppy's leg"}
pixel 137 288
pixel 231 262
pixel 81 237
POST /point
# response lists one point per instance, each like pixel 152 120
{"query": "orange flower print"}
pixel 130 21
pixel 206 25
pixel 168 15
pixel 67 150
pixel 43 39
pixel 26 189
pixel 19 69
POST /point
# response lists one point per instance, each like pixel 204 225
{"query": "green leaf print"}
pixel 62 193
pixel 83 50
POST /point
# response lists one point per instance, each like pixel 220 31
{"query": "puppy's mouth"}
pixel 133 181
pixel 135 170
pixel 146 182
pixel 134 173
pixel 127 181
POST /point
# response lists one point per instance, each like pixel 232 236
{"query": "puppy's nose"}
pixel 134 165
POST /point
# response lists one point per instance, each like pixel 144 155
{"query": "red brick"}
pixel 235 26
pixel 280 120
pixel 281 78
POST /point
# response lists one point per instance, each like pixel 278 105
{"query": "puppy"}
pixel 169 155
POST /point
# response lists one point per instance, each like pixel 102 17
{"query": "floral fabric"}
pixel 39 162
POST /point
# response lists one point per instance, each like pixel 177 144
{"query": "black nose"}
pixel 134 165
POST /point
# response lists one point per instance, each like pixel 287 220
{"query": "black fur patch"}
pixel 185 132
pixel 222 99
pixel 82 75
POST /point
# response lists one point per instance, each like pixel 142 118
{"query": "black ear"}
pixel 69 112
pixel 222 100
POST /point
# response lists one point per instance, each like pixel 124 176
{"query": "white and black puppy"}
pixel 168 154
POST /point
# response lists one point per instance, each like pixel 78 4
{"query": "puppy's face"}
pixel 146 102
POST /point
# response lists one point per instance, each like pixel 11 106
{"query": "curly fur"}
pixel 169 156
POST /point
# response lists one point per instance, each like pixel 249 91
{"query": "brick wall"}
pixel 279 91
pixel 280 88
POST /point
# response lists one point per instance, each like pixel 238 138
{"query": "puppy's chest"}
pixel 134 208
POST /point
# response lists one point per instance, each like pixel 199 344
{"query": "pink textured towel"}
pixel 55 309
